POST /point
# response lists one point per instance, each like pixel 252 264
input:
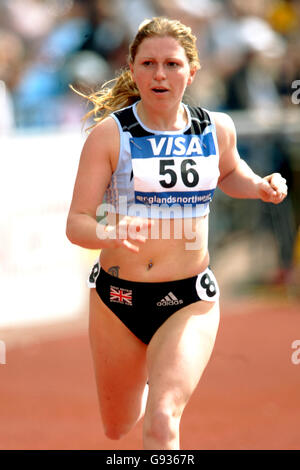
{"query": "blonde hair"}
pixel 122 91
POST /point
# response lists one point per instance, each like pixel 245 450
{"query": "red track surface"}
pixel 248 398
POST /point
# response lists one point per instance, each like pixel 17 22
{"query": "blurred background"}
pixel 249 52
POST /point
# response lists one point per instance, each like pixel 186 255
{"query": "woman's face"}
pixel 161 71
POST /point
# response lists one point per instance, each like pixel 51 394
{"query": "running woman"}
pixel 149 168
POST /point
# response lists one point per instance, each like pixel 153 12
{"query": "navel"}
pixel 150 264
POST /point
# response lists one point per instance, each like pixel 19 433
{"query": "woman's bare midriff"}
pixel 180 254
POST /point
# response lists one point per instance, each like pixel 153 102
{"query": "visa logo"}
pixel 180 145
pixel 175 146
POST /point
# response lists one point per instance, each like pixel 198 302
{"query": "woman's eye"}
pixel 147 63
pixel 173 64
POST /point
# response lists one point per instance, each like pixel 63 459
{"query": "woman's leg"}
pixel 120 369
pixel 177 356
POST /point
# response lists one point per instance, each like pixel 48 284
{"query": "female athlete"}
pixel 149 168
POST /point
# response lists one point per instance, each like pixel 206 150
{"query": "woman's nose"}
pixel 159 73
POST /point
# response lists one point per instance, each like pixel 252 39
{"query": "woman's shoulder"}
pixel 103 141
pixel 103 133
pixel 106 125
pixel 225 129
pixel 223 121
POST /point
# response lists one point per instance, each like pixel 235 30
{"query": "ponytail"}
pixel 113 95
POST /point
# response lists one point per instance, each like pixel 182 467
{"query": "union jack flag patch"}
pixel 121 296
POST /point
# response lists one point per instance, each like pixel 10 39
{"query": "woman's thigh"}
pixel 178 354
pixel 120 368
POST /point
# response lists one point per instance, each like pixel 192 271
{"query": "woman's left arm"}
pixel 236 177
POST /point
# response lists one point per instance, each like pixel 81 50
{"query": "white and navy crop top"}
pixel 164 174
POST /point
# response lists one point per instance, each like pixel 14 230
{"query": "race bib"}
pixel 174 169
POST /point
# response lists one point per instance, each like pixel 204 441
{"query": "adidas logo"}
pixel 169 299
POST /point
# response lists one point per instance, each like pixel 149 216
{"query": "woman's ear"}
pixel 131 70
pixel 193 72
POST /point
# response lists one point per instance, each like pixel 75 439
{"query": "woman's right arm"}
pixel 93 176
pixel 98 160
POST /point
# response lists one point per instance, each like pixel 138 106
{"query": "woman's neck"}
pixel 163 120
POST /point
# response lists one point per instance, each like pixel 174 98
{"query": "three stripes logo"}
pixel 169 299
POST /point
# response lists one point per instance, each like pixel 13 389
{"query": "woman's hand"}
pixel 272 188
pixel 129 229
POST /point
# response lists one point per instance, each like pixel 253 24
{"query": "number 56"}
pixel 189 176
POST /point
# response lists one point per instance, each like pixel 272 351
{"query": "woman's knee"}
pixel 162 424
pixel 116 431
pixel 117 424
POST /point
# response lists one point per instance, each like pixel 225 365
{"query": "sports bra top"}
pixel 164 174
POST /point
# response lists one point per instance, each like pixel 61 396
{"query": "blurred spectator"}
pixel 253 86
pixel 133 12
pixel 23 14
pixel 38 95
pixel 247 55
pixel 7 121
pixel 108 35
pixel 284 16
pixel 85 71
pixel 289 71
pixel 11 60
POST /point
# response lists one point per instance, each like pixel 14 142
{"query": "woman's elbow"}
pixel 70 231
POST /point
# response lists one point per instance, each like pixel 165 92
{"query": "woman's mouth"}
pixel 159 90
